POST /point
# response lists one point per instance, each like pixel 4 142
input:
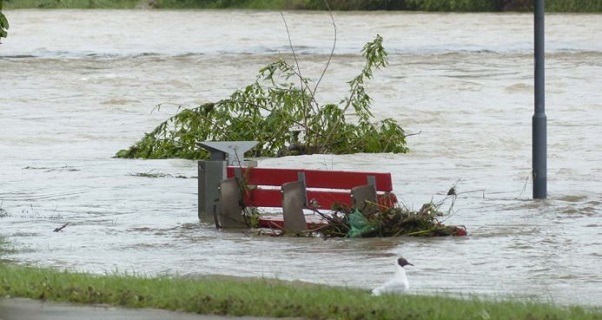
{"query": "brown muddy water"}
pixel 79 85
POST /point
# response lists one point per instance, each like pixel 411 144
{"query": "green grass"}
pixel 71 4
pixel 262 297
pixel 164 4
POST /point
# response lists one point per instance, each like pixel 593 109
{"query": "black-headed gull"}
pixel 398 284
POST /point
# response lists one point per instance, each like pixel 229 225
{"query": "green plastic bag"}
pixel 359 225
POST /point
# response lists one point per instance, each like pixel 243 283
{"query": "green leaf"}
pixel 3 25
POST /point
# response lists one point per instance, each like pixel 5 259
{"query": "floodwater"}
pixel 79 85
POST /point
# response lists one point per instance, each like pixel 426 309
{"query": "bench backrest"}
pixel 324 188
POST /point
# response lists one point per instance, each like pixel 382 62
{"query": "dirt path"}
pixel 19 309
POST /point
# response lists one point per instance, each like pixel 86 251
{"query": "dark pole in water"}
pixel 540 165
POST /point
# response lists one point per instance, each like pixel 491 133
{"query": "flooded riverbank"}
pixel 80 85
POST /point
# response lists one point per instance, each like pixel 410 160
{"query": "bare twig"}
pixel 334 44
pixel 61 228
pixel 324 216
pixel 290 43
pixel 304 85
pixel 413 134
pixel 524 186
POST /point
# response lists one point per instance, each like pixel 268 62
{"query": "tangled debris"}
pixel 373 221
pixel 390 222
pixel 385 217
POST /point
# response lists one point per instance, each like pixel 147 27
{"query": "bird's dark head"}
pixel 403 262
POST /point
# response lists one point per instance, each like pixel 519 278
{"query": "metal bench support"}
pixel 211 173
pixel 363 198
pixel 229 213
pixel 293 202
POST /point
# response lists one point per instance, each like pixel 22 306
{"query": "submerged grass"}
pixel 5 247
pixel 262 297
pixel 157 175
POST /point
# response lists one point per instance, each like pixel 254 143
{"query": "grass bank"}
pixel 71 4
pixel 262 297
pixel 410 5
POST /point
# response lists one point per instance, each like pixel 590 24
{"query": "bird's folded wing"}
pixel 391 286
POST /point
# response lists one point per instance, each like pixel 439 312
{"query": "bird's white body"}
pixel 398 284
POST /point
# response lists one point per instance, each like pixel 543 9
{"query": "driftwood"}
pixel 61 228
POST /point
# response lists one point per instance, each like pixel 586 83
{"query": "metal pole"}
pixel 539 117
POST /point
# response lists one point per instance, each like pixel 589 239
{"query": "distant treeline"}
pixel 457 5
pixel 407 5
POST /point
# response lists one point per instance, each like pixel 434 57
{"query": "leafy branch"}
pixel 3 24
pixel 279 110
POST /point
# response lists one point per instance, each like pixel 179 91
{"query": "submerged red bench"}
pixel 296 189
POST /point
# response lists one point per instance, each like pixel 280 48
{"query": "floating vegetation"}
pixel 150 175
pixel 374 221
pixel 390 222
pixel 48 169
pixel 3 212
pixel 157 175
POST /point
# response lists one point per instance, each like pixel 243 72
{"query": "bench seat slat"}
pixel 272 198
pixel 314 178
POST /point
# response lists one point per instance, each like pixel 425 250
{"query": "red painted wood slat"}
pixel 314 178
pixel 272 198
